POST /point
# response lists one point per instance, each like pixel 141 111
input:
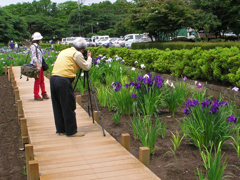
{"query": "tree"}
pixel 234 18
pixel 219 9
pixel 12 27
pixel 207 22
pixel 160 17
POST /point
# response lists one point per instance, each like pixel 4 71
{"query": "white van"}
pixel 132 38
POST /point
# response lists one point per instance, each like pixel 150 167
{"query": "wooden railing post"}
pixel 11 69
pixel 20 110
pixel 24 131
pixel 6 69
pixel 29 157
pixel 16 93
pixel 33 170
pixel 125 141
pixel 144 155
pixel 79 99
pixel 12 79
pixel 9 75
pixel 96 117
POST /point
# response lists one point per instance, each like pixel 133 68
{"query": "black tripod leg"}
pixel 95 102
pixel 89 94
pixel 80 72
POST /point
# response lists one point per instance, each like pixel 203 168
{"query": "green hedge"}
pixel 216 65
pixel 60 47
pixel 45 45
pixel 184 45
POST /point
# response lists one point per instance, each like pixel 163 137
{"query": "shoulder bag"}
pixel 29 70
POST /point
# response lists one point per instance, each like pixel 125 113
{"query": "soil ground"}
pixel 167 167
pixel 12 160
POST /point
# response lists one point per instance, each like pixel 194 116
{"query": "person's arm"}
pixel 81 62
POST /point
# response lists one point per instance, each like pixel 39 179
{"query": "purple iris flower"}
pixel 122 62
pixel 186 110
pixel 159 85
pixel 206 103
pixel 127 85
pixel 215 106
pixel 195 102
pixel 134 96
pixel 144 81
pixel 192 103
pixel 185 78
pixel 137 85
pixel 117 86
pixel 232 118
pixel 140 78
pixel 213 110
pixel 149 81
pixel 131 84
pixel 223 103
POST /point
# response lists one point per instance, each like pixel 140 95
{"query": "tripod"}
pixel 87 77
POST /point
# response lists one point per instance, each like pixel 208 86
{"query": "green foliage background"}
pixel 161 19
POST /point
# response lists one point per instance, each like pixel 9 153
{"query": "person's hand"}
pixel 89 54
pixel 38 68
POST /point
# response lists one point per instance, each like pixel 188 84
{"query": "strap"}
pixel 36 51
pixel 27 57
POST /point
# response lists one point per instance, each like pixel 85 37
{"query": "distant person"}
pixel 16 45
pixel 51 42
pixel 36 59
pixel 12 45
pixel 20 44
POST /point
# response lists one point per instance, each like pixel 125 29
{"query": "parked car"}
pixel 112 42
pixel 119 43
pixel 132 38
pixel 106 43
pixel 145 39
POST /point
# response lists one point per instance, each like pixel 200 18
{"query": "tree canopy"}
pixel 159 18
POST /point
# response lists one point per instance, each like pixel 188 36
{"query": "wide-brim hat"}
pixel 37 36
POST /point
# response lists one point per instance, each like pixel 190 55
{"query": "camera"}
pixel 85 54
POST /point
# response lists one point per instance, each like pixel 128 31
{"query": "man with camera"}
pixel 64 72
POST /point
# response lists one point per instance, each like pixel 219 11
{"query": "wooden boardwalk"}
pixel 74 158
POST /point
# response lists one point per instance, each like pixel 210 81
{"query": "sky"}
pixel 87 2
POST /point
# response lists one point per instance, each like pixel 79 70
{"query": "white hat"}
pixel 37 36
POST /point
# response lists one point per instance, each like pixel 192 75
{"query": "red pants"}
pixel 39 82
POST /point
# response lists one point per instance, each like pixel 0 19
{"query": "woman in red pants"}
pixel 36 59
